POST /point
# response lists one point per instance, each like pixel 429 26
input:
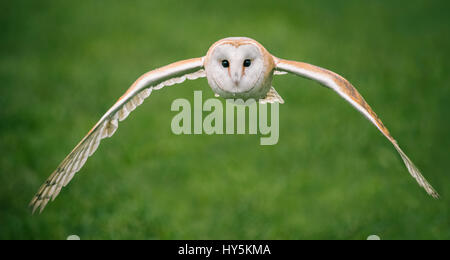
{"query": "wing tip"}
pixel 431 191
pixel 435 195
pixel 415 173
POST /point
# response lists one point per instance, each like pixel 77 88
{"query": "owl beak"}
pixel 236 78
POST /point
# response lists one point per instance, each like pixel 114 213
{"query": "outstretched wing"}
pixel 156 79
pixel 349 93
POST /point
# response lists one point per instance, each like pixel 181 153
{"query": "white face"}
pixel 236 71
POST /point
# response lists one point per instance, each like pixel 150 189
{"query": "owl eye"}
pixel 247 63
pixel 225 64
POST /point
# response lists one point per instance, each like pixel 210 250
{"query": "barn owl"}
pixel 236 67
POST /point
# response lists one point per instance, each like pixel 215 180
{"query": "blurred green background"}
pixel 331 176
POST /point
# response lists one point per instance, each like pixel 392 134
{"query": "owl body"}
pixel 239 68
pixel 236 68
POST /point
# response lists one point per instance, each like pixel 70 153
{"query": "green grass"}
pixel 331 176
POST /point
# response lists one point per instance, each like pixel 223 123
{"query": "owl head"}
pixel 239 67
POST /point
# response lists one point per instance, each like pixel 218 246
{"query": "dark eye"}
pixel 247 63
pixel 225 64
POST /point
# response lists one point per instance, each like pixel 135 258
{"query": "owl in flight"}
pixel 236 67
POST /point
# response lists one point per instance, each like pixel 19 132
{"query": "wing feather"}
pixel 106 127
pixel 350 94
